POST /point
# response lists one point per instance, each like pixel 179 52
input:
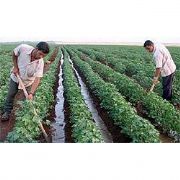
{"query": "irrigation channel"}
pixel 57 126
pixel 92 108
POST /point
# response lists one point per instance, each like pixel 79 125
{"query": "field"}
pixel 93 93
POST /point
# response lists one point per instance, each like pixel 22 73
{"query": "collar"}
pixel 36 61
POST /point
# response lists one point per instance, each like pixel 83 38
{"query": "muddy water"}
pixel 58 132
pixel 92 108
pixel 165 139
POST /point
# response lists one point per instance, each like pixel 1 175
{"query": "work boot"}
pixel 5 116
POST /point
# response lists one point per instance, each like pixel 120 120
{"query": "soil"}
pixel 177 106
pixel 8 125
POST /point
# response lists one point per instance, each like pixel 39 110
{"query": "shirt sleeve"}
pixel 40 69
pixel 17 50
pixel 159 60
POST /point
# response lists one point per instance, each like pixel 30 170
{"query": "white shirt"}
pixel 28 70
pixel 163 60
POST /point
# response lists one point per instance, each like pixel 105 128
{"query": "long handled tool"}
pixel 35 113
pixel 152 87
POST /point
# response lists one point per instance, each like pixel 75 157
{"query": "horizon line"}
pixel 93 42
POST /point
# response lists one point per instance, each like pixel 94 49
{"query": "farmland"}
pixel 93 94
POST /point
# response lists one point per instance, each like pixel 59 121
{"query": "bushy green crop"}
pixel 137 128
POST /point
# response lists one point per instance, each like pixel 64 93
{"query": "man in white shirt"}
pixel 165 67
pixel 28 64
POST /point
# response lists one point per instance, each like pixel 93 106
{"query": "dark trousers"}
pixel 167 86
pixel 13 89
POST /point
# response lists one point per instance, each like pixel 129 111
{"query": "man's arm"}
pixel 156 75
pixel 15 59
pixel 158 62
pixel 34 87
pixel 157 72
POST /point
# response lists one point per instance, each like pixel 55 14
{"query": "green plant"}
pixel 139 129
pixel 162 111
pixel 26 128
pixel 84 128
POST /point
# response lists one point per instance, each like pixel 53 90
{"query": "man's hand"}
pixel 155 80
pixel 30 97
pixel 16 70
pixel 34 87
pixel 48 62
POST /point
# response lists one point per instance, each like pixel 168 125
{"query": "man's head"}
pixel 149 46
pixel 42 49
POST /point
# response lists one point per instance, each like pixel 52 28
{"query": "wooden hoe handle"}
pixel 22 85
pixel 152 87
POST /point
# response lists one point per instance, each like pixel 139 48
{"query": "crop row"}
pixel 123 115
pixel 163 112
pixel 26 128
pixel 139 71
pixel 142 70
pixel 84 128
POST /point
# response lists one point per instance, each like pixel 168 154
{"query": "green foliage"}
pixel 26 128
pixel 135 63
pixel 162 111
pixel 137 128
pixel 84 129
pixel 6 65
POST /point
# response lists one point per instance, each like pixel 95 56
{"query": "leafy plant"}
pixel 26 128
pixel 84 128
pixel 139 129
pixel 162 111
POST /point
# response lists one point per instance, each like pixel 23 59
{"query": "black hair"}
pixel 148 43
pixel 43 46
